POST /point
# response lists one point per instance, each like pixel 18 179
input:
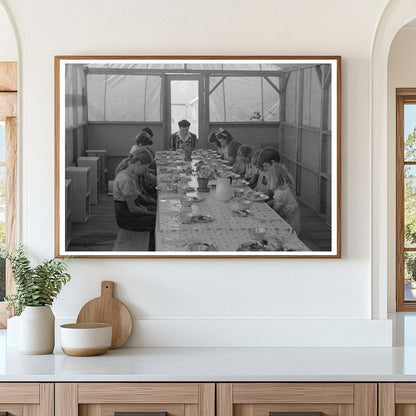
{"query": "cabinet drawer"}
pixel 268 399
pixel 21 399
pixel 150 399
pixel 138 393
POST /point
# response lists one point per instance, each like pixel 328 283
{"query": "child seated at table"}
pixel 284 201
pixel 144 197
pixel 267 159
pixel 130 213
pixel 243 159
pixel 252 171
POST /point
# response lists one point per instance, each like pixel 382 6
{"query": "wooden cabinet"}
pixel 397 399
pixel 297 399
pixel 27 399
pixel 208 399
pixel 105 399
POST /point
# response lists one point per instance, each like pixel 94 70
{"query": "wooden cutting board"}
pixel 108 310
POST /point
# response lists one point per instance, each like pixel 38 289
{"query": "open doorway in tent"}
pixel 183 103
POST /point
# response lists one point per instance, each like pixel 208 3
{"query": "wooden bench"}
pixel 132 240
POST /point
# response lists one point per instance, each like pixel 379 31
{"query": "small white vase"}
pixel 37 330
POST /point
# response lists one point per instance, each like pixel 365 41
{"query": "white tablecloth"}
pixel 227 230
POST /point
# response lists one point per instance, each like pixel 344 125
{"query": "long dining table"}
pixel 226 230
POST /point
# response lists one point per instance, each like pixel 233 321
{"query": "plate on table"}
pixel 253 246
pixel 196 199
pixel 239 182
pixel 202 218
pixel 241 212
pixel 258 197
pixel 271 244
pixel 198 246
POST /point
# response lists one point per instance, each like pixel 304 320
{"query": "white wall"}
pixel 401 74
pixel 8 45
pixel 212 302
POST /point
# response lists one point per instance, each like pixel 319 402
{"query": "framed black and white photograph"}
pixel 198 156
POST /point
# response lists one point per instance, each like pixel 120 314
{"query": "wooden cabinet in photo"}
pixel 68 216
pixel 297 399
pixel 102 166
pixel 92 163
pixel 80 196
pixel 105 399
pixel 27 399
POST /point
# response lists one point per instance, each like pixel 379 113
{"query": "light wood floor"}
pixel 100 231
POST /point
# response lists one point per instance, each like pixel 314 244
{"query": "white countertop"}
pixel 215 364
pixel 222 364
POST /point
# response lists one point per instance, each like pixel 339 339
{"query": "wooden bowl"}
pixel 84 340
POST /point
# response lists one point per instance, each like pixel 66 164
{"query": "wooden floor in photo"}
pixel 100 231
pixel 315 232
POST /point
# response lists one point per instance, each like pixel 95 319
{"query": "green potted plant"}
pixel 36 289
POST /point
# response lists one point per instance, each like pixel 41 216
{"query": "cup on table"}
pixel 257 233
pixel 238 192
pixel 182 188
pixel 244 203
pixel 186 217
pixel 186 201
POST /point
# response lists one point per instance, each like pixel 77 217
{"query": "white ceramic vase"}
pixel 37 330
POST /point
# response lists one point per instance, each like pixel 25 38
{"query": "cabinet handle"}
pixel 295 413
pixel 138 414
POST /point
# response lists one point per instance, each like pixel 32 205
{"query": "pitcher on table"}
pixel 223 191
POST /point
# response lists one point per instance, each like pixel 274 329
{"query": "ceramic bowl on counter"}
pixel 83 340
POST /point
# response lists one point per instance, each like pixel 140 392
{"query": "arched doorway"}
pixel 396 15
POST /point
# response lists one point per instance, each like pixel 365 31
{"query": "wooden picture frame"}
pixel 285 104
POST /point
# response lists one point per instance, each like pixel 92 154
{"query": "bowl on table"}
pixel 84 340
pixel 196 246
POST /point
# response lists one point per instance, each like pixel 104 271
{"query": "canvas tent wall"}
pixel 286 106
